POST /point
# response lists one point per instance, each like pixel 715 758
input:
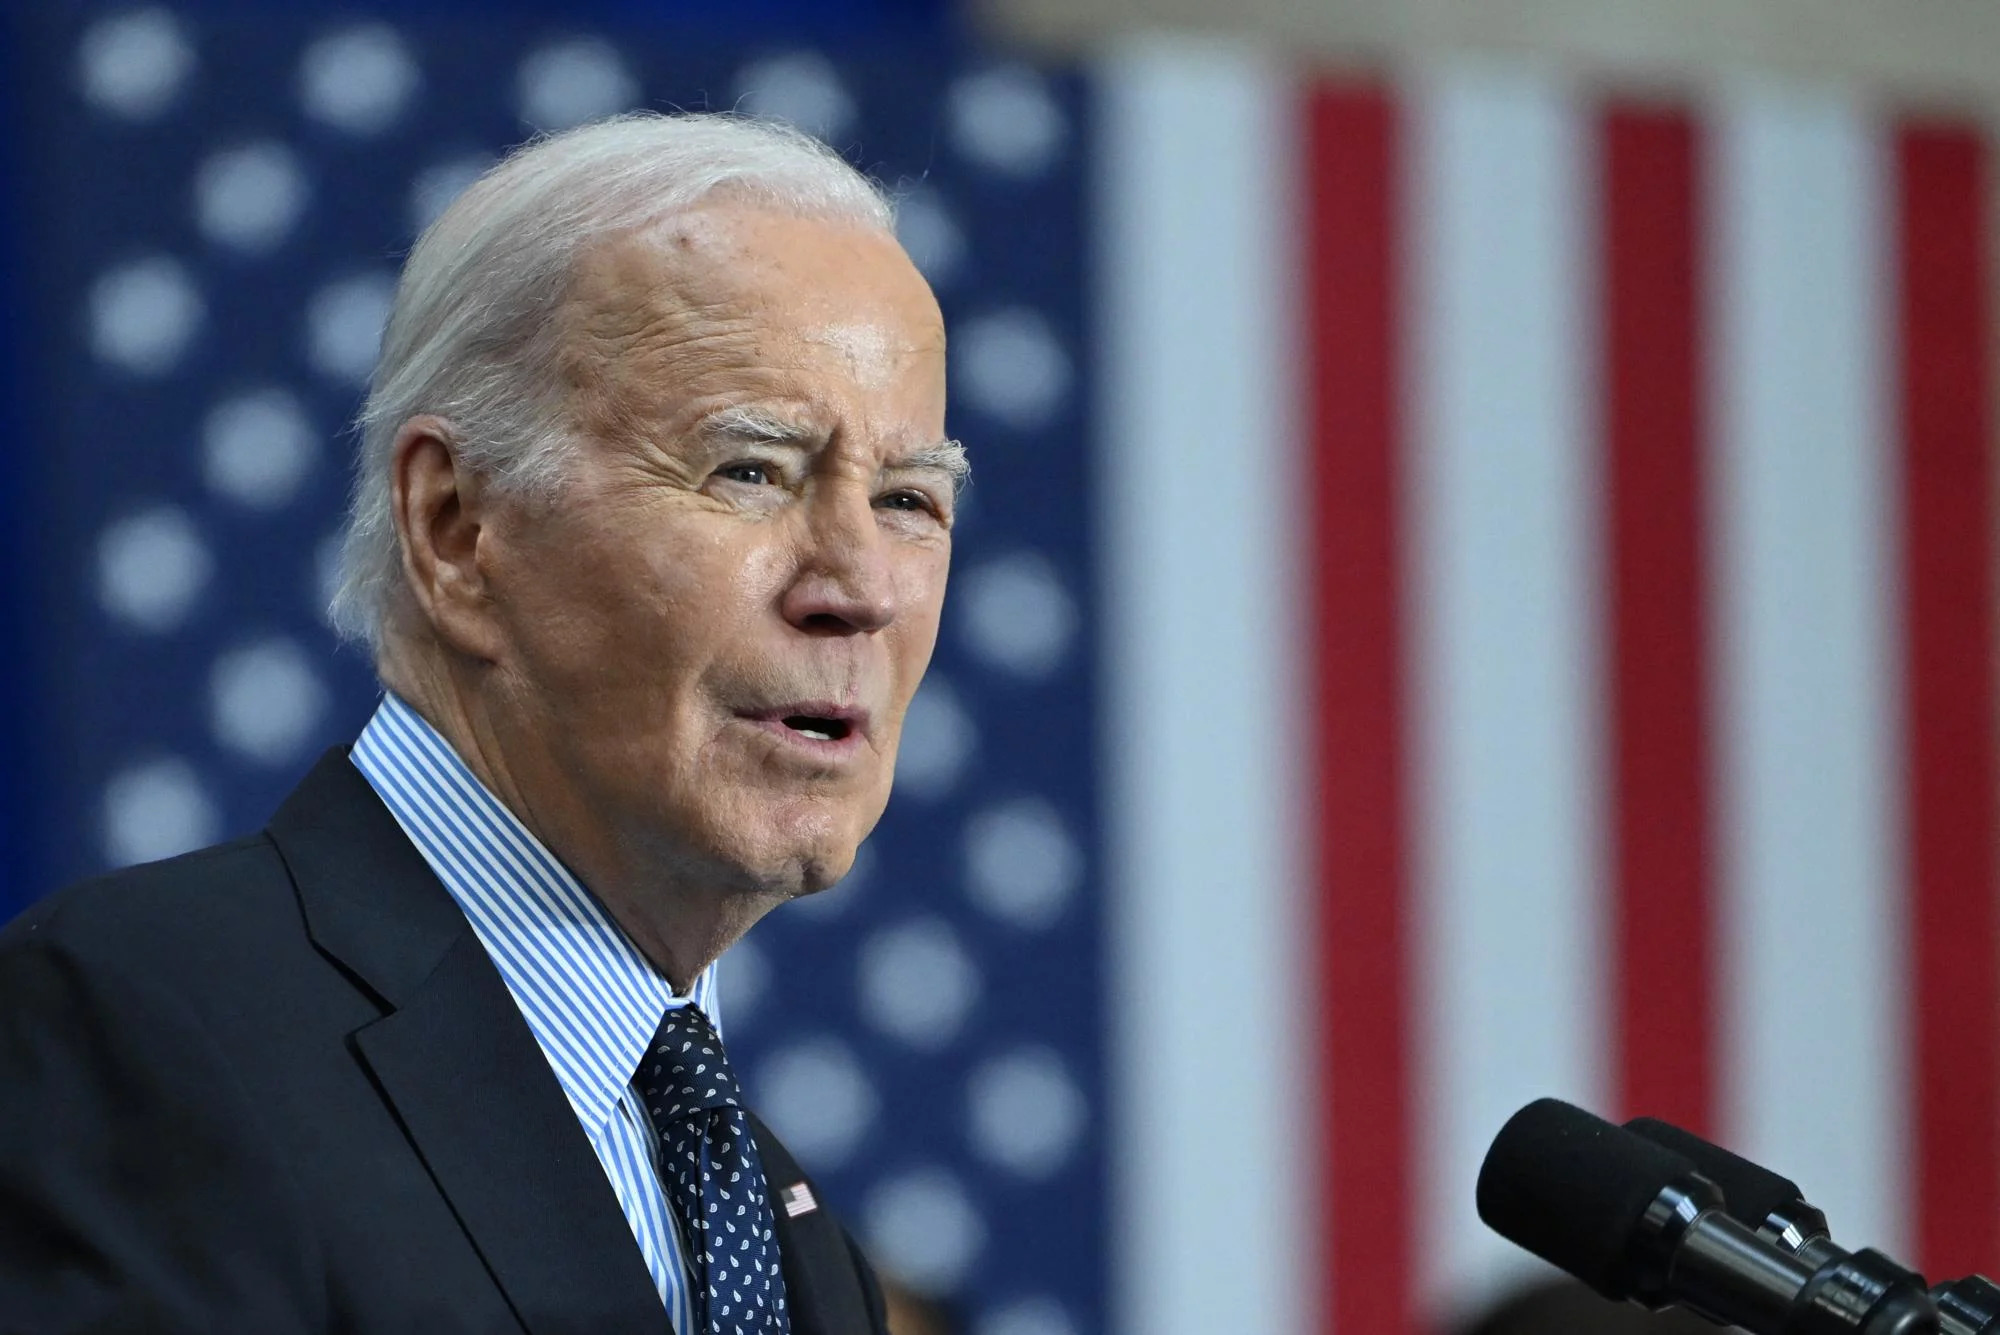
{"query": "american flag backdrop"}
pixel 216 203
pixel 1475 586
pixel 1548 649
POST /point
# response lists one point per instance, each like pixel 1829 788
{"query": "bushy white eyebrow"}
pixel 755 426
pixel 947 456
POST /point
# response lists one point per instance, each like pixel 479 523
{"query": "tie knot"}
pixel 684 1071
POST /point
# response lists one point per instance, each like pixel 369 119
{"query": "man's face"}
pixel 713 633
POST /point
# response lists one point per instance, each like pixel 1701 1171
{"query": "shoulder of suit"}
pixel 153 916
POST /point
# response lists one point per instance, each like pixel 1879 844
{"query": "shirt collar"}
pixel 591 999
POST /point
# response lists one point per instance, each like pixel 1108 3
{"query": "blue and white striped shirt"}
pixel 588 995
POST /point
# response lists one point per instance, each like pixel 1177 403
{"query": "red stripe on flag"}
pixel 1663 931
pixel 1353 377
pixel 1948 676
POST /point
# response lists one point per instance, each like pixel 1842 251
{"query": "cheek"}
pixel 922 600
pixel 758 570
pixel 914 635
pixel 649 597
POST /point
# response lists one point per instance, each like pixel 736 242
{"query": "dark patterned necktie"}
pixel 708 1163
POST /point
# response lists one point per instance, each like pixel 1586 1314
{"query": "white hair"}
pixel 473 337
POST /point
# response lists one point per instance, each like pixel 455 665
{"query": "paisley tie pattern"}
pixel 708 1162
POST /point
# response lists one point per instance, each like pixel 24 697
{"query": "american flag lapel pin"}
pixel 798 1199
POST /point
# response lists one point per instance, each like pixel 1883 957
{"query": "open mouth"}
pixel 818 728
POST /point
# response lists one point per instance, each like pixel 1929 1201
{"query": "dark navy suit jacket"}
pixel 277 1086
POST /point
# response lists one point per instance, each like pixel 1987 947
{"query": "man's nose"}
pixel 845 584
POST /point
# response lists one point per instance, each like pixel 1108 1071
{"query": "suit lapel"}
pixel 507 1152
pixel 822 1281
pixel 460 1067
pixel 473 1092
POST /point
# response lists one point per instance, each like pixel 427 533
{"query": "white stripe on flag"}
pixel 1199 472
pixel 1505 582
pixel 1805 569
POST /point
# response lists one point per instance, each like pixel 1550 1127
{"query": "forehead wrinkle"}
pixel 646 310
pixel 651 323
pixel 630 362
pixel 673 319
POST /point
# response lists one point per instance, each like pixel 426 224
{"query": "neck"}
pixel 681 916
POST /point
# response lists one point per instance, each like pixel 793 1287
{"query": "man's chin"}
pixel 813 846
pixel 790 873
pixel 813 872
pixel 784 849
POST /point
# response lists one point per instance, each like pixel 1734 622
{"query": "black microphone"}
pixel 1636 1221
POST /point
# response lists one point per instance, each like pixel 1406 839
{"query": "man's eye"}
pixel 914 501
pixel 750 472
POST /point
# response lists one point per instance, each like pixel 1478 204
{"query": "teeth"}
pixel 816 734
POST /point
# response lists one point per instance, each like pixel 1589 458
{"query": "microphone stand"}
pixel 1693 1253
pixel 1969 1306
pixel 1844 1283
pixel 1862 1290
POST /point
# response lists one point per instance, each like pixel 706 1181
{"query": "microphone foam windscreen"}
pixel 1752 1191
pixel 1571 1188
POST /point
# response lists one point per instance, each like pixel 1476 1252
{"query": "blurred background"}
pixel 1478 584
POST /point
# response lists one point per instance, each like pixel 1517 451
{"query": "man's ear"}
pixel 438 504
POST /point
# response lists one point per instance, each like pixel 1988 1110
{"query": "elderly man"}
pixel 649 542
